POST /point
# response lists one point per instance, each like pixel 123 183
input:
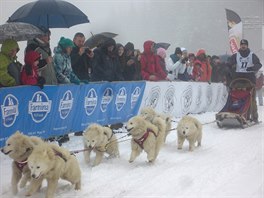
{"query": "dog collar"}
pixel 20 165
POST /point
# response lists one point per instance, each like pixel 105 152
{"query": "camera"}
pixel 184 60
pixel 87 51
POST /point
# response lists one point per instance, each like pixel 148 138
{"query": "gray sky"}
pixel 192 24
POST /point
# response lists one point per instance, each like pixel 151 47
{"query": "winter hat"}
pixel 129 46
pixel 178 50
pixel 45 30
pixel 243 41
pixel 65 42
pixel 161 52
pixel 31 57
pixel 183 49
pixel 200 52
pixel 8 45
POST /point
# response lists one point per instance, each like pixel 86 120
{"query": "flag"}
pixel 235 27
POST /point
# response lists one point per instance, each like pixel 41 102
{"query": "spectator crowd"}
pixel 72 62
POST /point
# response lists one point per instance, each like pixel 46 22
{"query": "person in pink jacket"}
pixel 29 73
pixel 150 64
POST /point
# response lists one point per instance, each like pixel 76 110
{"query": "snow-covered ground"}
pixel 228 165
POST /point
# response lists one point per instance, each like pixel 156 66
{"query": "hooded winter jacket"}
pixel 46 69
pixel 202 70
pixel 106 66
pixel 29 73
pixel 150 64
pixel 63 68
pixel 8 65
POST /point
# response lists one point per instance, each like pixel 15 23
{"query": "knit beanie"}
pixel 65 42
pixel 183 49
pixel 161 52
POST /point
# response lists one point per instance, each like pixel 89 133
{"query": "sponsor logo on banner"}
pixel 198 100
pixel 90 101
pixel 39 106
pixel 135 96
pixel 186 100
pixel 169 100
pixel 106 99
pixel 66 104
pixel 121 98
pixel 9 110
pixel 233 44
pixel 209 96
pixel 153 98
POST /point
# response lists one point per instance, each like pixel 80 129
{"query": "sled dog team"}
pixel 35 160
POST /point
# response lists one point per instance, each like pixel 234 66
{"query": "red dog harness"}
pixel 20 165
pixel 141 140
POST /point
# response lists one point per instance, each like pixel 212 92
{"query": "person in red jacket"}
pixel 202 70
pixel 29 73
pixel 150 66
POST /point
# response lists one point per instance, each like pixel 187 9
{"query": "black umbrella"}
pixel 96 39
pixel 49 14
pixel 162 45
pixel 19 31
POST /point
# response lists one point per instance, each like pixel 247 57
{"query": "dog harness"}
pixel 59 154
pixel 141 140
pixel 20 165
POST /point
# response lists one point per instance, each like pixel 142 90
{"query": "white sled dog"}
pixel 145 136
pixel 191 129
pixel 19 147
pixel 149 114
pixel 100 140
pixel 51 162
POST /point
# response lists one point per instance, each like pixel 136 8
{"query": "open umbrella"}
pixel 162 45
pixel 49 14
pixel 97 39
pixel 19 31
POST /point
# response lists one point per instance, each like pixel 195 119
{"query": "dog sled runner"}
pixel 237 111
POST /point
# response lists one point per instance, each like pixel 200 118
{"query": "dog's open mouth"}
pixel 6 153
pixel 128 130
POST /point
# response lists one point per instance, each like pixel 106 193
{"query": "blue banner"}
pixel 56 110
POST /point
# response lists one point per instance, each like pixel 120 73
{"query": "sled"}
pixel 237 110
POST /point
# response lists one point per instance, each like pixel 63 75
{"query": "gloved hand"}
pixel 76 81
pixel 41 82
pixel 249 69
pixel 85 81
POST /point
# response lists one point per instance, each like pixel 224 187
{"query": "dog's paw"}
pixel 28 194
pixel 78 186
pixel 130 161
pixel 14 191
pixel 179 148
pixel 191 149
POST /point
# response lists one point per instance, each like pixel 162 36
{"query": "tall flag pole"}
pixel 235 29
